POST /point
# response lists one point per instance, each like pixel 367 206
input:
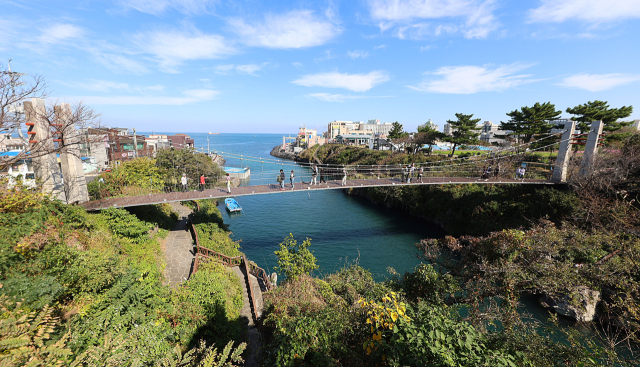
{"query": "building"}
pixel 488 131
pixel 309 137
pixel 371 127
pixel 180 141
pixel 446 129
pixel 158 142
pixel 354 139
pixel 94 151
pixel 8 142
pixel 123 146
pixel 429 124
pixel 636 125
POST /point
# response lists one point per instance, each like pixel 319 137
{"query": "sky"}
pixel 271 66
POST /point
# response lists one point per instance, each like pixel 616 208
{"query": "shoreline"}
pixel 275 152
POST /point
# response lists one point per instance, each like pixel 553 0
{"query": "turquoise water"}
pixel 342 228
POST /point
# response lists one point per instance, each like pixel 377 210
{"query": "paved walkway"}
pixel 179 250
pixel 254 339
pixel 304 186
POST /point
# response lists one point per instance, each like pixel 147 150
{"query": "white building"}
pixel 447 130
pixel 371 127
pixel 432 125
pixel 488 131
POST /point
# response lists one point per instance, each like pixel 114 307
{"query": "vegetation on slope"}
pixel 86 289
pixel 348 319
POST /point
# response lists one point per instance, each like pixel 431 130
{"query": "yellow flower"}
pixel 377 336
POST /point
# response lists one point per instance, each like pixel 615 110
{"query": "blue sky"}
pixel 271 66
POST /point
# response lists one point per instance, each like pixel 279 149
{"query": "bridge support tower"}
pixel 591 148
pixel 564 153
pixel 75 185
pixel 45 162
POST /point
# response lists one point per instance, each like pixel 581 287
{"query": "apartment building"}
pixel 371 127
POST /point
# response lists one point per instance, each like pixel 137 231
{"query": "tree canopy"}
pixel 397 131
pixel 464 131
pixel 174 162
pixel 427 135
pixel 529 121
pixel 600 110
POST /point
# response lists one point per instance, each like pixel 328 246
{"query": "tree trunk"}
pixel 453 151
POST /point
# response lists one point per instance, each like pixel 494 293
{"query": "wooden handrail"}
pixel 249 267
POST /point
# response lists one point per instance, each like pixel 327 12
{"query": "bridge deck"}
pixel 275 188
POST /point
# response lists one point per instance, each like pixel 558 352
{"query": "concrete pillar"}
pixel 591 148
pixel 564 153
pixel 75 186
pixel 45 162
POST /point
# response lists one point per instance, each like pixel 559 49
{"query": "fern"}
pixel 23 337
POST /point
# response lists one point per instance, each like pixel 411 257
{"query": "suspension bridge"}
pixel 313 177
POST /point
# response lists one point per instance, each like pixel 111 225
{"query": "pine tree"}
pixel 530 121
pixel 464 131
pixel 599 110
pixel 396 131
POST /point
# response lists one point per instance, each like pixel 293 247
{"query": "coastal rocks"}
pixel 580 305
pixel 276 152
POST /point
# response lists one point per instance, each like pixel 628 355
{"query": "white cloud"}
pixel 172 48
pixel 472 18
pixel 326 97
pixel 97 85
pixel 474 79
pixel 296 29
pixel 60 32
pixel 118 63
pixel 379 47
pixel 250 69
pixel 358 54
pixel 353 82
pixel 297 65
pixel 189 97
pixel 598 82
pixel 157 7
pixel 425 48
pixel 586 10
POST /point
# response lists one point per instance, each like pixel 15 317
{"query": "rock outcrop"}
pixel 580 305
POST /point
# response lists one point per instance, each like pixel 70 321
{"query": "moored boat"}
pixel 232 205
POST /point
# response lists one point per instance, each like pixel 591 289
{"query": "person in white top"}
pixel 228 184
pixel 344 176
pixel 291 177
pixel 183 180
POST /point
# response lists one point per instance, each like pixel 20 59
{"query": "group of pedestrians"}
pixel 409 171
pixel 520 173
pixel 488 172
pixel 202 182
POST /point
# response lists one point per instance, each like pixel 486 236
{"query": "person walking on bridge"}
pixel 344 175
pixel 183 181
pixel 411 170
pixel 202 181
pixel 228 184
pixel 281 180
pixel 314 174
pixel 291 177
pixel 420 172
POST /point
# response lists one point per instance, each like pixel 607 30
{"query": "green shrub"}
pixel 208 306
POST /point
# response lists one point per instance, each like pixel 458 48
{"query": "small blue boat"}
pixel 232 205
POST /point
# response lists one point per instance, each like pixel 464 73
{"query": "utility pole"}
pixel 135 144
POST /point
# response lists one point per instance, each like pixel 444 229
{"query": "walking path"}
pixel 254 339
pixel 178 248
